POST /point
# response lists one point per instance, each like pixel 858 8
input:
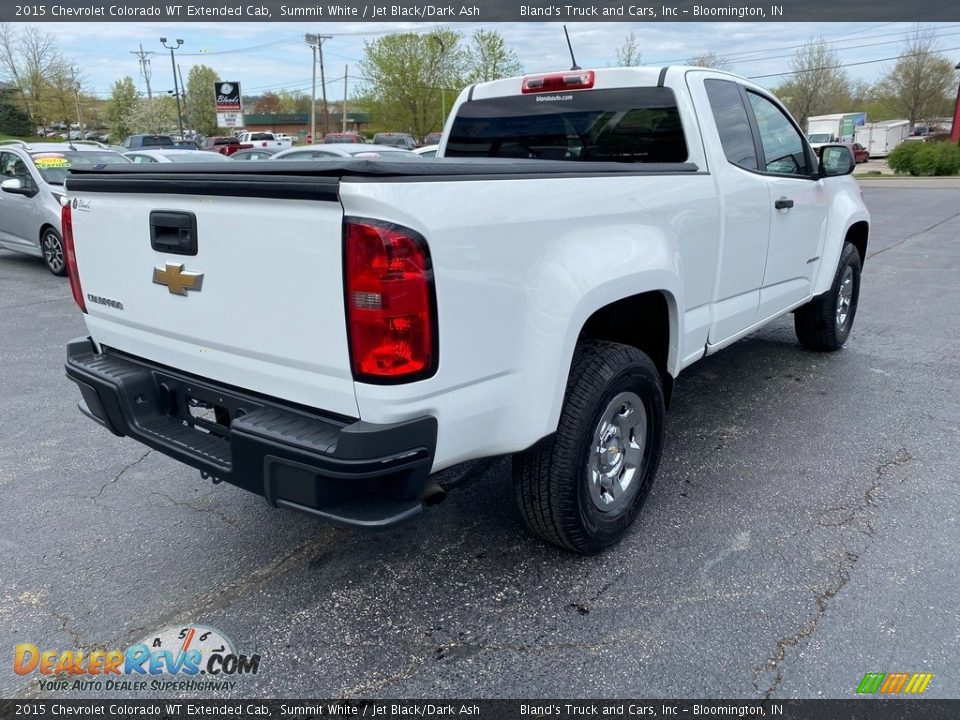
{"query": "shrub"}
pixel 901 159
pixel 918 158
pixel 13 120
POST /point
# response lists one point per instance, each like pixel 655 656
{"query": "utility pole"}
pixel 323 84
pixel 186 109
pixel 343 111
pixel 955 128
pixel 316 45
pixel 176 88
pixel 76 96
pixel 144 60
pixel 443 91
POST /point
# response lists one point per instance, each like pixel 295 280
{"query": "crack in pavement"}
pixel 212 510
pixel 117 477
pixel 39 302
pixel 844 567
pixel 914 235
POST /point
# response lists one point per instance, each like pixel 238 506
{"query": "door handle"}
pixel 783 204
pixel 173 232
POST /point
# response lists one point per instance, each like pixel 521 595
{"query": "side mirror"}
pixel 15 186
pixel 836 160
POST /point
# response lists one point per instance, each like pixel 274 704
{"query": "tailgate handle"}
pixel 173 232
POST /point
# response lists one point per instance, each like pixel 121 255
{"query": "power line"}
pixel 852 64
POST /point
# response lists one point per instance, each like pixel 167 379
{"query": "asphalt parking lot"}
pixel 804 528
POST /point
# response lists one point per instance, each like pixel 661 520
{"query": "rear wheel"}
pixel 51 245
pixel 582 488
pixel 824 323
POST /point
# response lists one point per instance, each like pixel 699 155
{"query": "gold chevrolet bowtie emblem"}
pixel 176 280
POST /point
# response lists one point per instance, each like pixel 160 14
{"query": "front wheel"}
pixel 824 323
pixel 51 245
pixel 582 488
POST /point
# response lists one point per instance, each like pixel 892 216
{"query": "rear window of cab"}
pixel 632 125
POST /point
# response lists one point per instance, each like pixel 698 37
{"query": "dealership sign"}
pixel 229 105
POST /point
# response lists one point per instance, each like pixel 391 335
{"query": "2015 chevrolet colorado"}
pixel 330 334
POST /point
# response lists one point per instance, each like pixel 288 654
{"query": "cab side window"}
pixel 733 124
pixel 783 148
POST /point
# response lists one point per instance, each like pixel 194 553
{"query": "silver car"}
pixel 31 187
pixel 339 151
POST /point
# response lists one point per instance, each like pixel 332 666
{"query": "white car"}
pixel 330 151
pixel 427 151
pixel 174 155
pixel 330 336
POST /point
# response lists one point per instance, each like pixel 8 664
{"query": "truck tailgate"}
pixel 268 314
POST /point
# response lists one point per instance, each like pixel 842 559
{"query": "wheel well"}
pixel 858 234
pixel 641 321
pixel 44 228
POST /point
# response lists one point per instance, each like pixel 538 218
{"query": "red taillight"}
pixel 391 307
pixel 66 229
pixel 554 82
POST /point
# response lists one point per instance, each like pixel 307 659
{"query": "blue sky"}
pixel 265 56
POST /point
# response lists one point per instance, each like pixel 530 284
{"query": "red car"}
pixel 860 153
pixel 224 145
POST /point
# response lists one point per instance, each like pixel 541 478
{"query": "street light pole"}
pixel 176 87
pixel 313 41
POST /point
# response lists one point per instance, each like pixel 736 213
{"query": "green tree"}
pixel 408 76
pixel 29 56
pixel 13 120
pixel 488 58
pixel 918 85
pixel 818 84
pixel 201 100
pixel 123 100
pixel 153 116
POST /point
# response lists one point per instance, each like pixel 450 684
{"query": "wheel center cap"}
pixel 612 453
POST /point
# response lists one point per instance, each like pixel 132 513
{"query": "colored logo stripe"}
pixel 871 683
pixel 918 683
pixel 893 683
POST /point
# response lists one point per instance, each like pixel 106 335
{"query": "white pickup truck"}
pixel 331 334
pixel 265 139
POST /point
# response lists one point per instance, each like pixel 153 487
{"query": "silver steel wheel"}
pixel 845 297
pixel 52 249
pixel 616 456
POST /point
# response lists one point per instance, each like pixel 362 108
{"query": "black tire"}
pixel 53 253
pixel 553 479
pixel 817 323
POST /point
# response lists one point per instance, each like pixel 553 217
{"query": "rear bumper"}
pixel 339 469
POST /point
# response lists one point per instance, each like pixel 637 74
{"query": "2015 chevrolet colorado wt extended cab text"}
pixel 330 334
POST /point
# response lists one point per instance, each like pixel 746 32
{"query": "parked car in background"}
pixel 223 145
pixel 254 154
pixel 186 144
pixel 173 155
pixel 264 139
pixel 427 151
pixel 432 138
pixel 135 142
pixel 31 188
pixel 860 153
pixel 343 137
pixel 395 139
pixel 347 150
